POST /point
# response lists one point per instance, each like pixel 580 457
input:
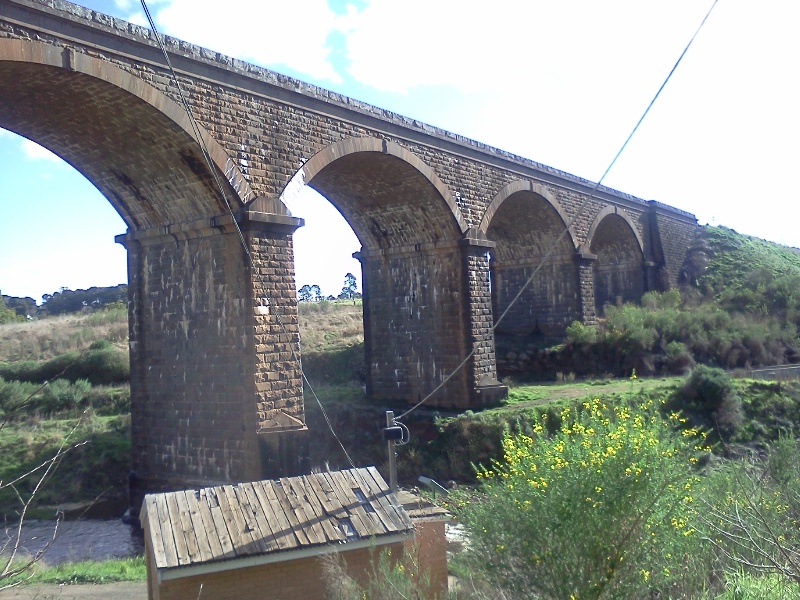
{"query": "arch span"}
pixel 523 186
pixel 363 177
pixel 601 216
pixel 618 270
pixel 530 231
pixel 132 142
pixel 412 265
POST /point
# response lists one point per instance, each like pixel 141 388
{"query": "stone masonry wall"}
pixel 415 325
pixel 193 403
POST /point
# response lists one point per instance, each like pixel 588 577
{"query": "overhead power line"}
pixel 209 163
pixel 567 227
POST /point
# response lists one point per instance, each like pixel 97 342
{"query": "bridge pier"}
pixel 585 262
pixel 216 394
pixel 425 309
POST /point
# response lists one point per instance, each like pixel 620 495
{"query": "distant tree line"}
pixel 313 293
pixel 65 301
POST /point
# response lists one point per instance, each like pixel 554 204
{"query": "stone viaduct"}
pixel 450 230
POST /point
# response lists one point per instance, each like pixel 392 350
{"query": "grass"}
pixel 330 325
pixel 91 572
pixel 542 394
pixel 44 339
pixel 97 469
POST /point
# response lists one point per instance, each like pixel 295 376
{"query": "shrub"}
pixel 677 358
pixel 708 387
pixel 752 511
pixel 709 395
pixel 61 395
pixel 601 508
pixel 13 394
pixel 579 334
pixel 102 364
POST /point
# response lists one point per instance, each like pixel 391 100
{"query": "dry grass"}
pixel 324 326
pixel 330 325
pixel 44 339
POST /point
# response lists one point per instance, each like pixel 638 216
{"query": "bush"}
pixel 13 394
pixel 62 395
pixel 678 359
pixel 710 396
pixel 102 364
pixel 579 334
pixel 752 511
pixel 600 508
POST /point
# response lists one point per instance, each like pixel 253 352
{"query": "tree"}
pixel 316 293
pixel 14 565
pixel 304 293
pixel 7 315
pixel 24 307
pixel 350 288
pixel 67 301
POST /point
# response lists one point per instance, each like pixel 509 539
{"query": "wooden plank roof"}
pixel 229 522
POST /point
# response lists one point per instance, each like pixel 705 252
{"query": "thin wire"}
pixel 212 169
pixel 197 132
pixel 564 231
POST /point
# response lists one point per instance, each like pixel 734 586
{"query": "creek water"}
pixel 89 539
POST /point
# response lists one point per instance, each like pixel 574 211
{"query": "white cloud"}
pixel 34 151
pixel 292 34
pixel 514 47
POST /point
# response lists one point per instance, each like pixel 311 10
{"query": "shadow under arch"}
pixel 413 275
pixel 529 228
pixel 132 142
pixel 619 267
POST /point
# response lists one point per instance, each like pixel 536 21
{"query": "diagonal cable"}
pixel 584 204
pixel 207 157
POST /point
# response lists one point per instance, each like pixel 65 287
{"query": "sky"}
pixel 561 83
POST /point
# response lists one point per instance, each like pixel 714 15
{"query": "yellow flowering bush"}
pixel 602 508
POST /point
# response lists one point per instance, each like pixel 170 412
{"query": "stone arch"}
pixel 523 186
pixel 529 230
pixel 613 210
pixel 351 170
pixel 136 145
pixel 413 276
pixel 618 270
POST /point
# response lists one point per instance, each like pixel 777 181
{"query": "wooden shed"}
pixel 264 539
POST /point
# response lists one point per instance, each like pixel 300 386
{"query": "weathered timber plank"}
pixel 388 500
pixel 188 527
pixel 177 530
pixel 332 533
pixel 326 495
pixel 220 524
pixel 248 515
pixel 305 515
pixel 243 541
pixel 199 527
pixel 358 482
pixel 212 535
pixel 167 535
pixel 363 525
pixel 265 537
pixel 281 527
pixel 291 515
pixel 154 524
